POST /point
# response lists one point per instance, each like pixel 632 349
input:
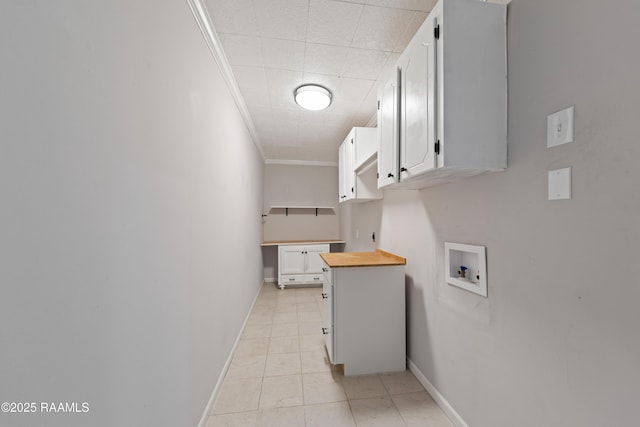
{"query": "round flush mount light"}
pixel 312 97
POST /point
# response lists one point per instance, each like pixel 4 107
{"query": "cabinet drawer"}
pixel 314 278
pixel 289 279
pixel 327 274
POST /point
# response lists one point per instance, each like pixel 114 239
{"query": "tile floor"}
pixel 280 376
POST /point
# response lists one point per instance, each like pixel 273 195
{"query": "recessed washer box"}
pixel 466 267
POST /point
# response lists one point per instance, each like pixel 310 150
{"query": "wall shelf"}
pixel 324 210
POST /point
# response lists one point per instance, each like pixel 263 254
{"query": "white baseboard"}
pixel 446 407
pixel 216 390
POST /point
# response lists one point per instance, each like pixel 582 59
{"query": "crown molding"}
pixel 207 29
pixel 299 162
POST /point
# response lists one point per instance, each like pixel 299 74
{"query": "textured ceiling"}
pixel 274 46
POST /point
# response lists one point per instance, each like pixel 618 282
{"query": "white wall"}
pixel 556 342
pixel 129 236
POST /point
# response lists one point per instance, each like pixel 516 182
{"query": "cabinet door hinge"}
pixel 352 140
pixel 436 31
pixel 437 147
pixel 377 174
pixel 352 189
pixel 378 105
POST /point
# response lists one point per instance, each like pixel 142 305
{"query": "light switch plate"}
pixel 560 184
pixel 560 127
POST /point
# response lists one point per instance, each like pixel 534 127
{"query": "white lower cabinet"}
pixel 364 318
pixel 300 264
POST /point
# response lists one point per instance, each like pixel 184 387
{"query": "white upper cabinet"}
pixel 448 117
pixel 356 158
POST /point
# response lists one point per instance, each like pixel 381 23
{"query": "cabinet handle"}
pixel 325 331
pixel 389 175
pixel 324 296
pixel 403 169
pixel 316 278
pixel 325 269
pixel 292 279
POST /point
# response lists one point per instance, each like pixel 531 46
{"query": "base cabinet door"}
pixel 291 260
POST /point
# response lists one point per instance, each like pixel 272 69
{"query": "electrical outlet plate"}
pixel 559 184
pixel 560 127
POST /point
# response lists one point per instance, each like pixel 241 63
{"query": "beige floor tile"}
pixel 309 316
pixel 247 367
pixel 239 395
pixel 305 299
pixel 310 328
pixel 282 364
pixel 241 419
pixel 265 318
pixel 329 415
pixel 280 392
pixel 323 387
pixel 284 345
pixel 309 291
pixel 312 343
pixel 308 306
pixel 265 303
pixel 363 386
pixel 419 410
pixel 284 330
pixel 252 347
pixel 286 306
pixel 285 317
pixel 401 382
pixel 313 361
pixel 376 412
pixel 257 331
pixel 281 417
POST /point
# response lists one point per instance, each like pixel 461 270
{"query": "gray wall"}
pixel 556 342
pixel 129 236
pixel 298 185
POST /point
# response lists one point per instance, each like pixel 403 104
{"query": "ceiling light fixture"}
pixel 312 97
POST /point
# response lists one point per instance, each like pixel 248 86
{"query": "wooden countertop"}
pixel 297 242
pixel 362 259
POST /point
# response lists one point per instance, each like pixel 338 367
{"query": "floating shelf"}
pixel 317 209
pixel 466 267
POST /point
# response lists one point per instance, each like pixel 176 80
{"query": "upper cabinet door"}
pixel 417 132
pixel 388 133
pixel 346 174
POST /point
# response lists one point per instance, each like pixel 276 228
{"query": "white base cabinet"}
pixel 300 264
pixel 364 318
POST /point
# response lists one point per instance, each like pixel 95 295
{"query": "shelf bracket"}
pixel 316 211
pixel 286 211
